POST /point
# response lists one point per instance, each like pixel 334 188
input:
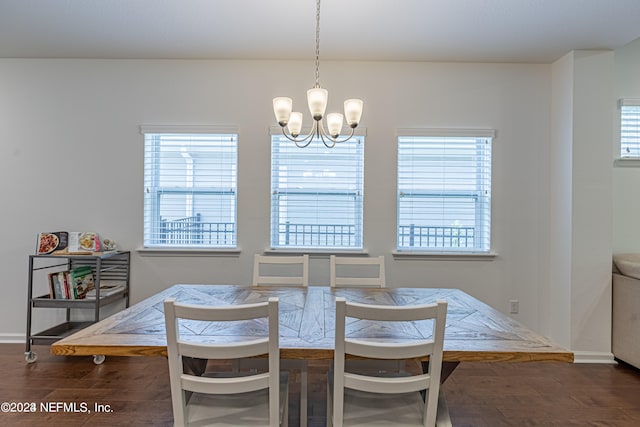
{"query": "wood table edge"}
pixel 508 356
pixel 448 356
pixel 111 350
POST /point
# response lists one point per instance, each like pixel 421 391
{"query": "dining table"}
pixel 474 332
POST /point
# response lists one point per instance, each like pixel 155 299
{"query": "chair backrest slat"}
pixel 221 313
pixel 225 350
pixel 396 350
pixel 388 384
pixel 396 313
pixel 298 264
pixel 359 265
pixel 225 385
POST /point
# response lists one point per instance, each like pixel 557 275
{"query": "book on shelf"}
pixel 54 286
pixel 81 280
pixel 60 286
pixel 64 284
pixel 106 290
pixel 79 284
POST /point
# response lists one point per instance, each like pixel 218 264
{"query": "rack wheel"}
pixel 30 356
pixel 98 359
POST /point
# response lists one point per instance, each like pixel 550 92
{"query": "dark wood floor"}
pixel 136 390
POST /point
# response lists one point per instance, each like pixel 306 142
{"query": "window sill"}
pixel 319 253
pixel 446 256
pixel 192 252
pixel 627 162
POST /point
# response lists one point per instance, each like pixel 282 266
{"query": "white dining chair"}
pixel 349 271
pixel 357 271
pixel 370 400
pixel 228 399
pixel 279 270
pixel 276 270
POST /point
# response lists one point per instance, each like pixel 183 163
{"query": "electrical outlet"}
pixel 514 306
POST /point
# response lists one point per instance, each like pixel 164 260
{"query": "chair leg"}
pixel 303 393
pixel 329 405
pixel 285 415
pixel 443 419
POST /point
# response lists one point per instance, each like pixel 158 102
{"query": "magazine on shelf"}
pixel 83 242
pixel 68 242
pixel 51 242
pixel 106 290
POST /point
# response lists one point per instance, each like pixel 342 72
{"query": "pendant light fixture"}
pixel 291 122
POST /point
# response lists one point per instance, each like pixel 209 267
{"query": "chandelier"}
pixel 317 100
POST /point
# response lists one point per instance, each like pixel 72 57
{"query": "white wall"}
pixel 71 159
pixel 578 309
pixel 591 198
pixel 555 295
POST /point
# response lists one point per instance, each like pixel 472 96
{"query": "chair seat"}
pixel 376 409
pixel 243 409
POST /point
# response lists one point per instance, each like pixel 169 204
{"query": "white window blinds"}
pixel 444 190
pixel 316 194
pixel 630 128
pixel 190 181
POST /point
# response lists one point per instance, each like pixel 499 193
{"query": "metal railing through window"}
pixel 429 237
pixel 317 235
pixel 192 231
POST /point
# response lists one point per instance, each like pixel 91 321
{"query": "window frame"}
pixel 450 252
pixel 620 157
pixel 357 195
pixel 152 202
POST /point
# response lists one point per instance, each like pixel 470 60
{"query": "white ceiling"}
pixel 414 30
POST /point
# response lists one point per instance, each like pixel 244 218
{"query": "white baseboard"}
pixel 12 338
pixel 593 357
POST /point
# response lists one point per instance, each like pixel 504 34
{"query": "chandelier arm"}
pixel 331 142
pixel 298 141
pixel 347 138
pixel 323 134
pixel 299 145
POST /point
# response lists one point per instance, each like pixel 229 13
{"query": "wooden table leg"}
pixel 447 369
pixel 443 419
pixel 194 366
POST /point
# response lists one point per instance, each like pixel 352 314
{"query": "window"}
pixel 189 187
pixel 444 190
pixel 630 128
pixel 316 194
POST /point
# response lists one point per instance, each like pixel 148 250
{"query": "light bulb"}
pixel 317 99
pixel 334 124
pixel 295 124
pixel 282 109
pixel 353 111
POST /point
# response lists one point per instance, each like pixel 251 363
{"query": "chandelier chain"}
pixel 317 43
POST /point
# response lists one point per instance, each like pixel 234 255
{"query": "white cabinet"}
pixel 625 337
